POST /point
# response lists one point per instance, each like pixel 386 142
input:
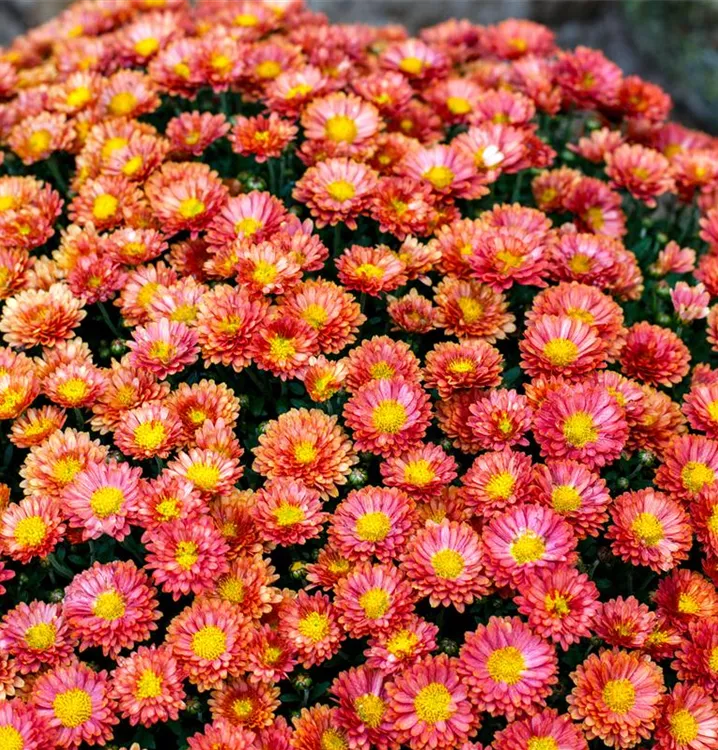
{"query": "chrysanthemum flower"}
pixel 387 417
pixel 371 270
pixel 663 639
pixel 31 528
pixel 454 366
pixel 688 721
pixel 35 138
pixel 208 640
pixel 248 583
pixel 244 704
pixel 415 59
pixel 323 378
pixel 75 385
pixel 597 144
pixel 288 513
pixel 318 726
pixel 617 697
pixel 262 137
pixel 210 472
pixel 143 285
pixel 624 622
pixel 411 313
pixel 148 431
pixel 270 657
pixel 690 463
pixel 104 202
pixel 381 358
pixel 291 90
pixel 508 669
pixel 644 172
pixel 147 686
pixel 700 406
pixel 256 216
pixel 283 346
pixel 654 355
pixel 404 207
pixel 29 209
pixel 546 728
pixel 596 207
pixel 329 568
pixel 421 472
pixel 394 650
pixel 343 123
pixel 447 170
pixel 221 734
pixel 19 723
pixel 690 302
pixel 193 132
pixel 128 93
pixel 373 599
pixel 685 596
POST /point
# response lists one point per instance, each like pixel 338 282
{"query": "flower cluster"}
pixel 357 389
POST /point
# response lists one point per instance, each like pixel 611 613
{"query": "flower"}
pixel 495 481
pixel 654 355
pixel 31 528
pixel 263 137
pixel 381 358
pixel 471 364
pixel 685 597
pixel 689 464
pixel 420 472
pixel 283 346
pixel 370 270
pixel 244 704
pixel 163 347
pixel 644 172
pixel 688 720
pixel 547 726
pixel 288 513
pixel 624 622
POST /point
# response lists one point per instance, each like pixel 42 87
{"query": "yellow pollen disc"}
pixel 471 309
pixel 242 708
pixel 579 429
pixel 231 590
pixel 341 129
pixel 712 522
pixel 560 352
pixel 197 416
pixel 439 176
pixel 713 660
pixel 527 547
pixel 541 743
pixel 411 65
pixel 375 603
pixel 565 498
pixel 389 417
pixel 78 97
pixel 304 452
pixel 648 529
pixel 373 527
pixel 186 554
pixel 150 435
pixel 40 637
pixel 39 141
pixel 122 103
pixel 113 144
pixel 509 260
pixel 182 70
pixel 203 476
pixel 557 604
pixel 132 165
pixel 506 665
pixel 315 315
pixel 341 190
pixel 73 707
pixel 190 208
pixel 245 20
pixel 10 738
pixel 402 644
pixel 107 501
pixel 268 69
pixel 168 509
pixel 209 642
pixel 447 563
pixel 105 206
pixel 192 138
pixel 457 105
pixel 65 469
pixel 73 391
pixel 683 726
pixel 687 604
pixel 594 218
pixel 619 696
pixel 271 655
pixel 339 566
pixel 147 47
pixel 109 605
pixel 288 515
pixel 462 365
pixel 147 293
pixel 370 708
pixel 580 263
pixel 281 348
pixel 382 371
pixel 7 202
pixel 331 739
pixel 314 626
pixel 419 473
pixel 301 89
pixel 577 313
pixel 500 486
pixel 433 703
pixel 30 532
pixel 264 272
pixel 149 685
pixel 695 475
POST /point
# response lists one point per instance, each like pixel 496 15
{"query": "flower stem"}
pixel 108 321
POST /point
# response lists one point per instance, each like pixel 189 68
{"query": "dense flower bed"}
pixel 357 389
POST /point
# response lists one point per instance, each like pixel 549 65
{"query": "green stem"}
pixel 272 167
pixel 54 169
pixel 79 417
pixel 108 320
pixel 337 239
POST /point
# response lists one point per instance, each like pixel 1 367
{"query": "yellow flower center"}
pixel 150 435
pixel 457 105
pixel 168 509
pixel 204 476
pixel 375 603
pixel 370 708
pixel 506 665
pixel 242 708
pixel 439 176
pixel 560 352
pixel 542 743
pixel 186 554
pixel 447 563
pixel 418 473
pixel 288 515
pixel 104 206
pixel 683 726
pixel 245 19
pixel 382 371
pixel 132 165
pixel 527 547
pixel 113 144
pixel 304 452
pixel 557 604
pixel 73 707
pixel 471 309
pixel 30 531
pixel 462 365
pixel 369 271
pixel 264 272
pixel 271 655
pixel 10 738
pixel 595 219
pixel 247 226
pixel 433 703
pixel 712 522
pixel 315 315
pixel 40 637
pixel 389 417
pixel 688 605
pixel 411 65
pixel 373 527
pixel 314 626
pixel 577 313
pixel 619 696
pixel 301 89
pixel 39 141
pixel 713 660
pixel 73 391
pixel 281 348
pixel 149 685
pixel 190 208
pixel 331 739
pixel 209 642
pixel 7 202
pixel 579 429
pixel 500 486
pixel 509 260
pixel 402 644
pixel 182 70
pixel 147 47
pixel 107 501
pixel 109 605
pixel 648 529
pixel 565 498
pixel 123 103
pixel 231 590
pixel 268 69
pixel 695 475
pixel 341 129
pixel 65 469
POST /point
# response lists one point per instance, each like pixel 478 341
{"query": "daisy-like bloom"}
pixel 248 583
pixel 688 721
pixel 150 431
pixel 663 640
pixel 597 144
pixel 624 622
pixel 545 729
pixel 456 241
pixel 287 512
pixel 684 597
pixel 690 463
pixel 690 302
pixel 244 704
pixel 37 137
pixel 102 498
pixel 675 259
pixel 318 727
pixel 388 417
pixel 209 471
pixel 700 405
pixel 411 313
pixel 96 278
pixel 21 725
pixel 180 302
pixel 5 575
pixel 262 137
pixel 223 735
pixel 429 706
pixel 587 78
pixel 265 268
pixel 467 309
pixel 453 366
pixel 444 563
pixel 283 346
pixel 523 540
pixel 257 216
pixel 111 606
pixel 373 522
pixel 31 528
pixel 104 202
pixel 644 172
pixel 270 658
pixel 560 603
pixel 574 492
pixel 308 446
pixel 508 669
pixel 455 99
pixel 500 419
pixel 53 465
pixel 17 392
pixel 208 640
pixel 10 680
pixel 697 656
pixel 704 518
pixel 36 635
pixel 650 528
pixel 342 123
pixel 329 568
pixel 75 385
pixel 143 285
pixel 394 650
pixel 28 209
pixel 197 403
pixel 41 316
pixel 192 132
pixel 371 270
pixel 495 481
pixel 447 170
pixel 185 196
pixel 74 701
pixel 581 422
pixel 404 207
pixel 617 697
pixel 597 208
pixel 336 191
pixel 186 557
pixel 421 472
pixel 309 625
pixel 415 59
pixel 323 378
pixel 128 93
pixel 147 686
pixel 373 599
pixel 14 265
pixel 654 355
pixel 381 358
pixel 291 90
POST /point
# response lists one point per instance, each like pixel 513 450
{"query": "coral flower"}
pixel 421 472
pixel 445 169
pixel 317 727
pixel 644 172
pixel 21 725
pixel 244 704
pixel 690 463
pixel 700 406
pixel 396 649
pixel 547 728
pixel 35 138
pixel 624 622
pixel 371 270
pixel 220 734
pixel 689 720
pixel 505 256
pixel 501 419
pixel 263 137
pixel 508 669
pixel 685 597
pixel 469 364
pixel 256 215
pixel 381 358
pixel 654 355
pixel 31 528
pixel 150 431
pixel 343 123
pixel 283 346
pixel 617 697
pixel 288 513
pixel 193 132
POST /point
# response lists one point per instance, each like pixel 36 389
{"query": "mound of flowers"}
pixel 357 389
